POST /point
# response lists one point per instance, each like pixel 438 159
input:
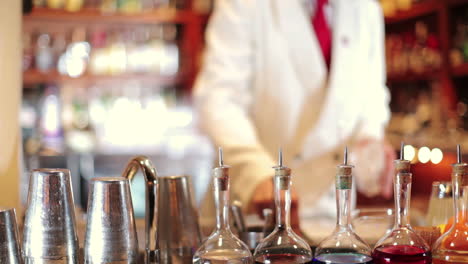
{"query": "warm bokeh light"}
pixel 424 154
pixel 410 152
pixel 436 155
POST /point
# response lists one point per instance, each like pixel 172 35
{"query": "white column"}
pixel 10 94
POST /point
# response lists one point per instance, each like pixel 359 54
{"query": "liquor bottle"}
pixel 282 246
pixel 343 245
pixel 452 247
pixel 222 246
pixel 402 244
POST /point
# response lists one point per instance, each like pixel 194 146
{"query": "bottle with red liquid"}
pixel 402 245
pixel 452 247
pixel 283 246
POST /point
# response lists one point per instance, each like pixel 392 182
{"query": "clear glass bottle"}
pixel 402 244
pixel 282 246
pixel 222 246
pixel 343 245
pixel 452 247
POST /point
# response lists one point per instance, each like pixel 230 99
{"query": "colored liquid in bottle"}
pixel 342 258
pixel 286 258
pixel 401 254
pixel 223 257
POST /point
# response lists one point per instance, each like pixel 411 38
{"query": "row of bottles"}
pixel 148 49
pixel 459 52
pixel 412 52
pixel 392 7
pixel 401 245
pixel 110 6
pixel 101 116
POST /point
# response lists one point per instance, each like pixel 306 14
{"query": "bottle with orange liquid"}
pixel 452 247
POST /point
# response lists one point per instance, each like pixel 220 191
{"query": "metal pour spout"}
pixel 152 191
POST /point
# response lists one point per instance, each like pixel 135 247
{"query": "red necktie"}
pixel 322 31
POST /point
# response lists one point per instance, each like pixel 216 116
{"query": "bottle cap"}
pixel 344 176
pixel 460 169
pixel 221 173
pixel 402 165
pixel 282 173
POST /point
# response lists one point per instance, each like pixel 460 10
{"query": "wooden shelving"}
pixel 457 2
pixel 34 77
pixel 460 70
pixel 417 10
pixel 94 16
pixel 425 76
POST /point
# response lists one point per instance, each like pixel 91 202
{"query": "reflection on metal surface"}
pixel 110 233
pixel 9 243
pixel 152 190
pixel 49 235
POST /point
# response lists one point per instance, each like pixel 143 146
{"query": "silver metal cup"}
pixel 179 232
pixel 49 235
pixel 9 244
pixel 111 235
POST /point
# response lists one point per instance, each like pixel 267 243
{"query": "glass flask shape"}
pixel 343 245
pixel 402 244
pixel 452 247
pixel 282 246
pixel 222 246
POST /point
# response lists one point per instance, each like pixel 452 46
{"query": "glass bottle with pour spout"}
pixel 282 246
pixel 402 244
pixel 343 245
pixel 222 246
pixel 452 247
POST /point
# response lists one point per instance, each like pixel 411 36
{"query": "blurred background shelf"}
pixel 417 10
pixel 460 70
pixel 457 2
pixel 95 16
pixel 33 76
pixel 413 77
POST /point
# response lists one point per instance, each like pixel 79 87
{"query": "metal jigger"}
pixel 111 233
pixel 9 244
pixel 49 235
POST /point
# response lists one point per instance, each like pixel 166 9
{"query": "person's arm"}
pixel 370 137
pixel 376 112
pixel 224 94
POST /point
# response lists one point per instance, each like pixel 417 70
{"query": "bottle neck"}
pixel 460 198
pixel 283 201
pixel 402 200
pixel 222 203
pixel 343 208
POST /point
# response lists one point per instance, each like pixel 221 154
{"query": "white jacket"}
pixel 264 85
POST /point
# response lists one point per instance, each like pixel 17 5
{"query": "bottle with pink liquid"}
pixel 402 244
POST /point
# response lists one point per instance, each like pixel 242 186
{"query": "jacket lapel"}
pixel 335 116
pixel 294 24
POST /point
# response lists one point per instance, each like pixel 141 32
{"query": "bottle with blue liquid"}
pixel 343 246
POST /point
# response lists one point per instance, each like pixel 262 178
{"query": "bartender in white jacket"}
pixel 266 83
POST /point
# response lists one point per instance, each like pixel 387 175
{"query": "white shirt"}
pixel 310 6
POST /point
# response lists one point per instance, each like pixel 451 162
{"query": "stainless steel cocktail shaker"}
pixel 49 235
pixel 110 233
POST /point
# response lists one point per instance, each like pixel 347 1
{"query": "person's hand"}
pixel 263 197
pixel 386 167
